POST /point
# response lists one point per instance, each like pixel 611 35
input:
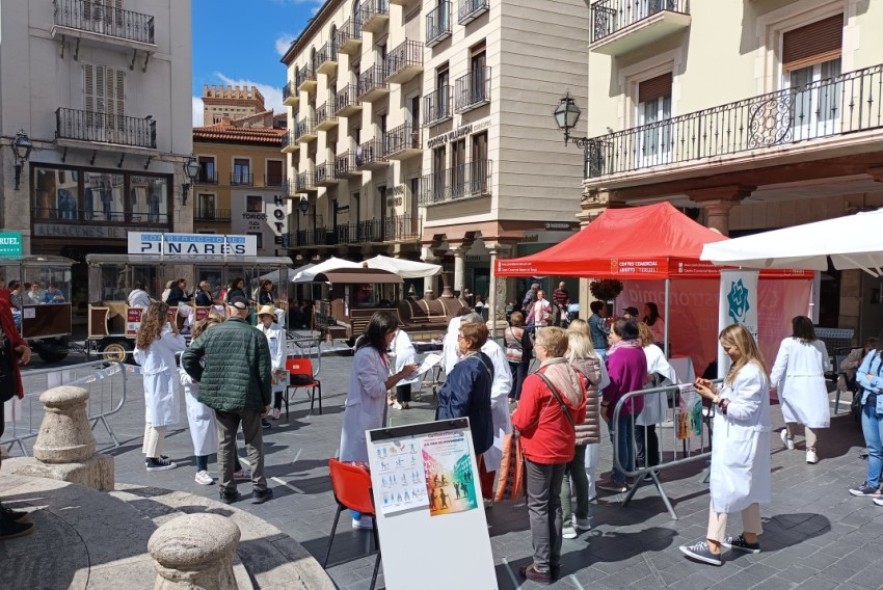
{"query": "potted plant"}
pixel 606 290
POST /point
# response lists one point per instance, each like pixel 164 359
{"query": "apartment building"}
pixel 756 114
pixel 425 130
pixel 101 93
pixel 241 187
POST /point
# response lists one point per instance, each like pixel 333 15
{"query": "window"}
pixel 207 172
pixel 275 176
pixel 103 197
pixel 254 204
pixel 654 109
pixel 104 101
pixel 439 157
pixel 241 171
pixel 259 238
pixel 479 166
pixel 811 65
pixel 442 82
pixel 477 66
pixel 458 168
pixel 205 206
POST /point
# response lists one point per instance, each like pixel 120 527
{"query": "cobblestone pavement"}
pixel 817 536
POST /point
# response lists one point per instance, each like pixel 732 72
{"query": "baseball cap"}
pixel 238 301
pixel 632 311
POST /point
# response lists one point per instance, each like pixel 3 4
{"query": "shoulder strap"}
pixel 490 373
pixel 557 397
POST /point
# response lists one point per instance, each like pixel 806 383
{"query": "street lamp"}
pixel 304 204
pixel 191 171
pixel 566 117
pixel 21 147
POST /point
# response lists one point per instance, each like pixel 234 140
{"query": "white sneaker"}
pixel 568 532
pixel 396 406
pixel 203 478
pixel 275 413
pixel 788 442
pixel 363 524
pixel 582 524
pixel 878 501
pixel 811 457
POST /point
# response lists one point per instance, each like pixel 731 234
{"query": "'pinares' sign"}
pixel 191 245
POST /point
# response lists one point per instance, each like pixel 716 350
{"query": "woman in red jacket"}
pixel 552 401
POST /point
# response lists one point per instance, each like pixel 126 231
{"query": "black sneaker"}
pixel 701 553
pixel 259 497
pixel 229 497
pixel 154 464
pixel 740 544
pixel 865 490
pixel 10 514
pixel 266 424
pixel 10 529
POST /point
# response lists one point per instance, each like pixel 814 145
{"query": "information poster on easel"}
pixel 430 516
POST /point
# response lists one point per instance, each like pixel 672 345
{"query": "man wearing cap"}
pixel 276 339
pixel 236 383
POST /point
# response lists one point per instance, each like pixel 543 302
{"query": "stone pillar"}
pixel 195 552
pixel 497 295
pixel 65 447
pixel 430 283
pixel 459 253
pixel 718 201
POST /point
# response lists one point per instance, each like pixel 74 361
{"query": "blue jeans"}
pixel 623 438
pixel 872 428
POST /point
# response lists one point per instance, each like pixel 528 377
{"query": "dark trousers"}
pixel 403 393
pixel 544 509
pixel 519 373
pixel 646 455
pixel 277 400
pixel 228 425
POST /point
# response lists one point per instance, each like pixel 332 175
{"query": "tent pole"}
pixel 667 316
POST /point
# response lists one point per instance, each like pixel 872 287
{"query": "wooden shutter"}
pixel 89 88
pixel 818 42
pixel 654 88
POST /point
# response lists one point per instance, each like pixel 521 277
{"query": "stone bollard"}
pixel 195 552
pixel 65 446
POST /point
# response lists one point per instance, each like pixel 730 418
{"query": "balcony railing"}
pixel 611 16
pixel 241 179
pixel 97 17
pixel 95 127
pixel 325 116
pixel 400 227
pixel 326 58
pixel 438 24
pixel 326 174
pixel 348 38
pixel 306 78
pixel 271 180
pixel 345 165
pixel 469 10
pixel 305 129
pixel 316 236
pixel 402 141
pixel 306 181
pixel 373 14
pixel 290 94
pixel 347 101
pixel 472 90
pixel 372 83
pixel 472 179
pixel 369 155
pixel 438 106
pixel 842 105
pixel 206 177
pixel 289 141
pixel 404 62
pixel 212 215
pixel 75 215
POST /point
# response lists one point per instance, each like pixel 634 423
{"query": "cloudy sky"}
pixel 241 42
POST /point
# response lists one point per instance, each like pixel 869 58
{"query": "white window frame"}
pixel 233 167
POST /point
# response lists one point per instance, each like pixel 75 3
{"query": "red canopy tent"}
pixel 650 242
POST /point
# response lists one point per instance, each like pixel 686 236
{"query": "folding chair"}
pixel 300 371
pixel 351 485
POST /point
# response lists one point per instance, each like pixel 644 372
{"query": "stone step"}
pixel 89 539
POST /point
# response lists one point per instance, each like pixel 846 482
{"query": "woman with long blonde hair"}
pixel 740 456
pixel 156 344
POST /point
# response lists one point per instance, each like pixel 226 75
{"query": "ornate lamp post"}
pixel 21 147
pixel 191 171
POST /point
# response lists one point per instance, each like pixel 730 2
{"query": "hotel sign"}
pixel 191 245
pixel 459 132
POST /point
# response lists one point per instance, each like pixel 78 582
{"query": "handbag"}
pixel 511 482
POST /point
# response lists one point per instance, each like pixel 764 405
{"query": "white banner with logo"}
pixel 191 245
pixel 738 305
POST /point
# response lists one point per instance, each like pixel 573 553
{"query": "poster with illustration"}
pixel 402 488
pixel 447 464
pixel 688 413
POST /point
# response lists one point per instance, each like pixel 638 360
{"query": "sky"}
pixel 241 42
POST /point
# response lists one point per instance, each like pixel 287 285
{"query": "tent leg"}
pixel 667 316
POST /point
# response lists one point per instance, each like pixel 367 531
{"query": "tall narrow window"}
pixel 477 66
pixel 458 168
pixel 104 100
pixel 241 171
pixel 207 172
pixel 654 111
pixel 479 166
pixel 205 206
pixel 438 174
pixel 274 173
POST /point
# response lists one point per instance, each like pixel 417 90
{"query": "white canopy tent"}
pixel 852 242
pixel 292 272
pixel 407 269
pixel 307 275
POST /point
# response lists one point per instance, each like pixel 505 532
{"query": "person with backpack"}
pixel 870 380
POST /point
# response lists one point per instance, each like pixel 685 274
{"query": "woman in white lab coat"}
pixel 799 377
pixel 405 354
pixel 156 344
pixel 740 456
pixel 276 339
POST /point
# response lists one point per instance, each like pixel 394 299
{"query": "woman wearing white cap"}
pixel 278 351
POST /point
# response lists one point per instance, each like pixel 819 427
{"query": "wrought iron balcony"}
pixel 92 127
pixel 372 84
pixel 402 142
pixel 326 174
pixel 472 90
pixel 839 106
pixel 347 101
pixel 369 155
pixel 374 14
pixel 212 215
pixel 306 181
pixel 348 38
pixel 326 117
pixel 400 228
pixel 619 26
pixel 404 62
pixel 306 78
pixel 103 20
pixel 206 177
pixel 241 178
pixel 346 165
pixel 273 181
pixel 74 215
pixel 326 58
pixel 438 24
pixel 289 141
pixel 290 95
pixel 305 129
pixel 438 106
pixel 469 10
pixel 316 236
pixel 472 179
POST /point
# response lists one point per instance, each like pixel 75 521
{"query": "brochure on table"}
pixel 426 487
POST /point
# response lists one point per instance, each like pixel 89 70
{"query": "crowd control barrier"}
pixel 681 424
pixel 104 380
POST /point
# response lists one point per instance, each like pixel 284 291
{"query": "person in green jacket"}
pixel 234 378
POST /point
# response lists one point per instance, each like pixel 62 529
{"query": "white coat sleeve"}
pixel 826 360
pixel 371 375
pixel 502 383
pixel 781 364
pixel 747 394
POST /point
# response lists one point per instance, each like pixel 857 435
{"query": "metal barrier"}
pixel 105 381
pixel 689 439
